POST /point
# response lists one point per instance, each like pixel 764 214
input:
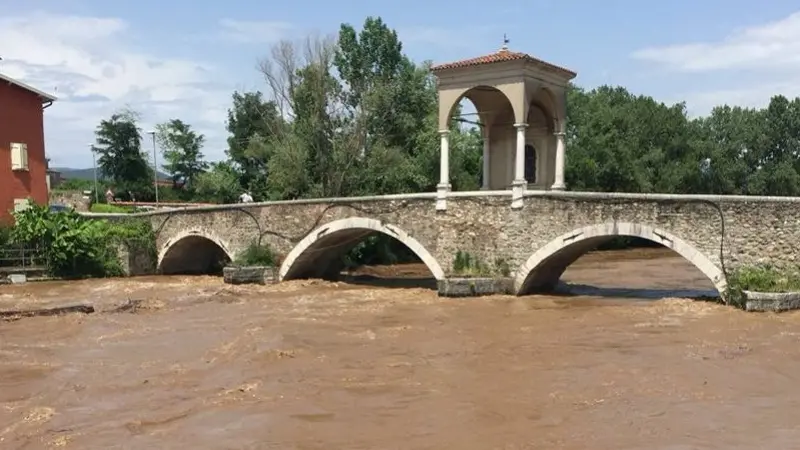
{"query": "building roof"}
pixel 502 55
pixel 44 96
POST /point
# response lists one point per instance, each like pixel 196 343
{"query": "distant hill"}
pixel 88 174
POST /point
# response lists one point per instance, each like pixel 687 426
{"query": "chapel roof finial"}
pixel 505 43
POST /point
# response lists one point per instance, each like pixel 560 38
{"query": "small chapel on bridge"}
pixel 521 106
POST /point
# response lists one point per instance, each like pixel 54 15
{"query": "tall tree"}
pixel 219 184
pixel 120 156
pixel 251 117
pixel 384 89
pixel 182 149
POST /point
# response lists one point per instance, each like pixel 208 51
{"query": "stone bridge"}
pixel 533 244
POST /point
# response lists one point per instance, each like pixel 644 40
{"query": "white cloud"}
pixel 88 64
pixel 763 47
pixel 701 103
pixel 746 68
pixel 253 32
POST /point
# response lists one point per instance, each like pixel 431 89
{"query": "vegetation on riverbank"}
pixel 761 278
pixel 69 245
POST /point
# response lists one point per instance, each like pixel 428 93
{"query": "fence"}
pixel 21 257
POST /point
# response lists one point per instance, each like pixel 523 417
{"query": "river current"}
pixel 625 362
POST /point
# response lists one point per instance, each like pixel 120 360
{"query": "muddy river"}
pixel 190 363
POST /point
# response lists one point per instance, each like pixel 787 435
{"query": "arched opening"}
pixel 362 251
pixel 483 118
pixel 530 164
pixel 575 264
pixel 193 255
pixel 542 123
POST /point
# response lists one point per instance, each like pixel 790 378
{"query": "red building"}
pixel 23 166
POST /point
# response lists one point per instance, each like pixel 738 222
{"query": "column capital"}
pixel 560 133
pixel 444 132
pixel 520 125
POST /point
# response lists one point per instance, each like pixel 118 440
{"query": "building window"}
pixel 19 156
pixel 20 204
pixel 530 164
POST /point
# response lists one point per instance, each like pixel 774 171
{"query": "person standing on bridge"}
pixel 245 198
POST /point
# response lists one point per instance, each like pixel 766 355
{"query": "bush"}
pixel 466 264
pixel 109 208
pixel 5 235
pixel 469 265
pixel 76 246
pixel 72 244
pixel 256 255
pixel 761 278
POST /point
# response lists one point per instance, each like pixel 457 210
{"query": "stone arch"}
pixel 192 251
pixel 486 99
pixel 312 256
pixel 544 268
pixel 544 100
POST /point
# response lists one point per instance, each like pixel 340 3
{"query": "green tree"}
pixel 385 89
pixel 181 147
pixel 75 184
pixel 120 156
pixel 220 184
pixel 251 117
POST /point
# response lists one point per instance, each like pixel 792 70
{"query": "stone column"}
pixel 561 149
pixel 444 171
pixel 486 165
pixel 519 183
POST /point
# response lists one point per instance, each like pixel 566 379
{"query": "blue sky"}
pixel 181 59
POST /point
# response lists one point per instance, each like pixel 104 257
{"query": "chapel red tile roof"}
pixel 502 55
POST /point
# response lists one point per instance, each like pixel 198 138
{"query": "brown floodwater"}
pixel 189 362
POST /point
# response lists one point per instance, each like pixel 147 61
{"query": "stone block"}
pixel 249 275
pixel 771 301
pixel 475 287
pixel 18 278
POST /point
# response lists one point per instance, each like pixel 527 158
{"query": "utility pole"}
pixel 94 165
pixel 155 164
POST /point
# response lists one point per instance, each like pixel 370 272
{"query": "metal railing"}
pixel 21 257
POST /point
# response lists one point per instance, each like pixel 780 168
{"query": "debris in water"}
pixel 54 311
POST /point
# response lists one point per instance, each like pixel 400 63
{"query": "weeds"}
pixel 256 255
pixel 761 278
pixel 468 265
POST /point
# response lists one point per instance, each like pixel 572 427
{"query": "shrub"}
pixel 471 266
pixel 256 255
pixel 109 208
pixel 76 246
pixel 5 235
pixel 466 264
pixel 760 278
pixel 72 244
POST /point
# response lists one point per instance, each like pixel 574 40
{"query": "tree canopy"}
pixel 352 114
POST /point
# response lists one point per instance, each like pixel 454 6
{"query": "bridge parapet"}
pixel 723 231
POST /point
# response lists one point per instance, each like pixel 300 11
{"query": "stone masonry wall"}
pixel 756 230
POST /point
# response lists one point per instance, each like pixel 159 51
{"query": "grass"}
pixel 106 208
pixel 766 279
pixel 256 255
pixel 761 278
pixel 468 265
